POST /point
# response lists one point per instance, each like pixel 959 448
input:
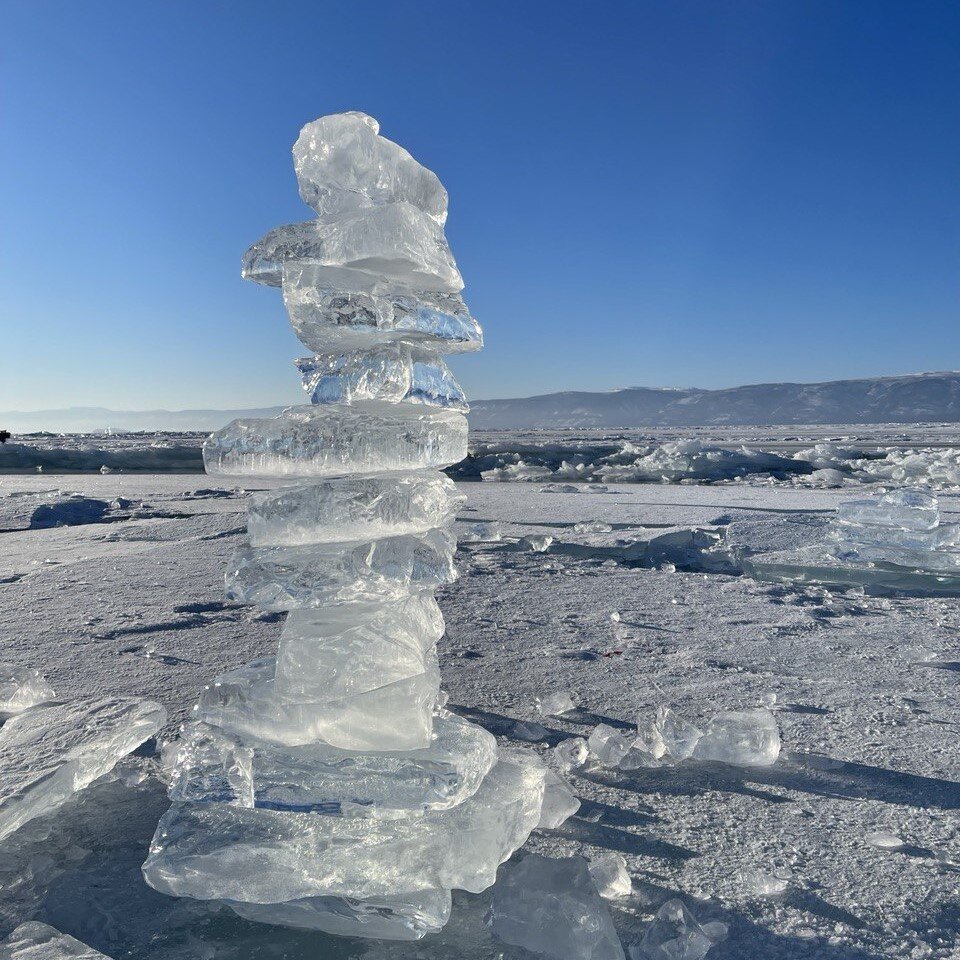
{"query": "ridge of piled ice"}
pixel 551 907
pixel 394 372
pixel 327 441
pixel 50 751
pixel 38 941
pixel 21 687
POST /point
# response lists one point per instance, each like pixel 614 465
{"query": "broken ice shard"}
pixel 324 441
pixel 680 737
pixel 551 908
pixel 21 687
pixel 403 917
pixel 608 746
pixel 674 934
pixel 49 752
pixel 609 874
pixel 556 703
pixel 572 753
pixel 559 802
pixel 907 509
pixel 394 372
pixel 38 941
pixel 745 738
pixel 326 788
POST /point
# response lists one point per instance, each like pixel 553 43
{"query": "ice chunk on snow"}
pixel 309 441
pixel 680 737
pixel 592 526
pixel 556 703
pixel 49 752
pixel 349 509
pixel 529 730
pixel 609 873
pixel 675 934
pixel 572 753
pixel 485 532
pixel 608 746
pixel 746 738
pixel 884 840
pixel 198 847
pixel 763 884
pixel 907 509
pixel 343 166
pixel 559 802
pixel 393 372
pixel 552 908
pixel 404 917
pixel 536 542
pixel 21 687
pixel 37 941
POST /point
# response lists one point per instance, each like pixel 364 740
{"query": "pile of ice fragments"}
pixel 892 542
pixel 327 788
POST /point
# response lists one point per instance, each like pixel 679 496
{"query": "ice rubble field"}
pixel 820 456
pixel 126 599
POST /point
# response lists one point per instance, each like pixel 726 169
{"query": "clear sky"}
pixel 665 193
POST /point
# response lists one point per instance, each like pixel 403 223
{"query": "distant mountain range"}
pixel 917 398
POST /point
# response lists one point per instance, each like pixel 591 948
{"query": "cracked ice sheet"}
pixel 866 693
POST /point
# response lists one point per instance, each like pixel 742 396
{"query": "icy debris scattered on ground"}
pixel 675 934
pixel 556 703
pixel 551 907
pixel 572 753
pixel 37 941
pixel 559 802
pixel 609 874
pixel 21 687
pixel 894 542
pixel 50 751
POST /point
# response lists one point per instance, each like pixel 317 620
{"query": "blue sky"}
pixel 649 193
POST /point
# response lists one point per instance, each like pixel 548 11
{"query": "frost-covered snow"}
pixel 865 696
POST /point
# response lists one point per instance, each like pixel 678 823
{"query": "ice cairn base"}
pixel 326 788
pixel 894 543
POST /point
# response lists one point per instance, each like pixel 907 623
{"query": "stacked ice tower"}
pixel 328 788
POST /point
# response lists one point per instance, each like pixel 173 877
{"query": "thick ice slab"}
pixel 37 941
pixel 398 716
pixel 393 372
pixel 318 778
pixel 819 565
pixel 21 687
pixel 49 752
pixel 748 738
pixel 319 575
pixel 352 509
pixel 396 242
pixel 333 309
pixel 907 509
pixel 206 850
pixel 325 441
pixel 405 917
pixel 551 907
pixel 343 166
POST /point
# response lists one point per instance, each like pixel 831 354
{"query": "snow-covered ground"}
pixel 127 599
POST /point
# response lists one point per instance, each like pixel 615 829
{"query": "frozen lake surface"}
pixel 127 599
